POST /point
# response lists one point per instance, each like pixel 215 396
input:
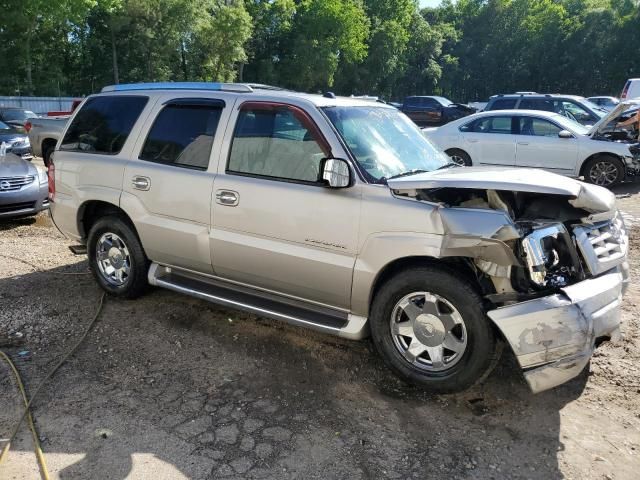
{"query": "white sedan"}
pixel 539 139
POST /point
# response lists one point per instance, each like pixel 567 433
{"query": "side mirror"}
pixel 565 134
pixel 336 173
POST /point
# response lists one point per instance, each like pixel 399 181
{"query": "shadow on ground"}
pixel 168 386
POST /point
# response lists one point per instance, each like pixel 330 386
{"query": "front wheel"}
pixel 430 328
pixel 459 157
pixel 117 258
pixel 604 170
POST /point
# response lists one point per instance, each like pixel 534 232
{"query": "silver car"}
pixel 23 187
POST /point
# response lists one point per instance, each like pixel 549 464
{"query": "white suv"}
pixel 537 139
pixel 338 215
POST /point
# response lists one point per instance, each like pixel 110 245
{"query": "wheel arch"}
pixel 90 211
pixel 44 145
pixel 459 265
pixel 598 155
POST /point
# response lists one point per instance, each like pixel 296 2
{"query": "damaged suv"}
pixel 338 215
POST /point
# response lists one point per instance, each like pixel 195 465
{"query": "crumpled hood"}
pixel 592 198
pixel 612 115
pixel 13 166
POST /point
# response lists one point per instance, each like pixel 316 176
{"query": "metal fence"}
pixel 39 105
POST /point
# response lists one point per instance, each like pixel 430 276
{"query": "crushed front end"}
pixel 552 266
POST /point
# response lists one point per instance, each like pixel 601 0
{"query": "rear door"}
pixel 539 146
pixel 489 141
pixel 167 186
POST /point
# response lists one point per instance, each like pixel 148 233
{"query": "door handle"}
pixel 228 198
pixel 523 143
pixel 141 183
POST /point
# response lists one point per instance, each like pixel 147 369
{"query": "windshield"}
pixel 597 109
pixel 384 141
pixel 4 126
pixel 571 125
pixel 445 102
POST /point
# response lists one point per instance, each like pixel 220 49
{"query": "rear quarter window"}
pixel 103 124
pixel 504 104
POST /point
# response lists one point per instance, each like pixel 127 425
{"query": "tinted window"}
pixel 182 135
pixel 20 115
pixel 103 124
pixel 489 125
pixel 537 104
pixel 504 104
pixel 278 142
pixel 538 127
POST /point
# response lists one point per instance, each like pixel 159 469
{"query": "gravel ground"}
pixel 169 387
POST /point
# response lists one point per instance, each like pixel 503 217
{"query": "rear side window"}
pixel 182 135
pixel 489 125
pixel 537 104
pixel 103 124
pixel 538 127
pixel 504 104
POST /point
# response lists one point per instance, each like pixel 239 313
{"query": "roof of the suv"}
pixel 251 90
pixel 537 95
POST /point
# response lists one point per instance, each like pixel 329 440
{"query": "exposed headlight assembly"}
pixel 549 255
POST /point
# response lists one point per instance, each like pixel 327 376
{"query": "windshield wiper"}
pixel 407 173
pixel 448 165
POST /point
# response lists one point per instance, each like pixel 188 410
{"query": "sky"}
pixel 429 3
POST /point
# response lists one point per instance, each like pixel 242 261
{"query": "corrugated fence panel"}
pixel 39 105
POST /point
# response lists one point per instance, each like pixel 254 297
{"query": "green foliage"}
pixel 464 49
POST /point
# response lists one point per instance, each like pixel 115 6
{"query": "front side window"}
pixel 574 111
pixel 182 135
pixel 276 141
pixel 103 124
pixel 538 127
pixel 384 142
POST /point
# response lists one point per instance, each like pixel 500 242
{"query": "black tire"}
pixel 594 168
pixel 46 155
pixel 460 157
pixel 136 282
pixel 482 349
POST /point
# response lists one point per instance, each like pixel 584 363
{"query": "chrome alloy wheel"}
pixel 603 173
pixel 114 261
pixel 458 160
pixel 428 331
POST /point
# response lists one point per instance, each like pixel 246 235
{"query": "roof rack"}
pixel 225 87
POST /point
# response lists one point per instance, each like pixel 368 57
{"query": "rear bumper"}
pixel 554 337
pixel 24 202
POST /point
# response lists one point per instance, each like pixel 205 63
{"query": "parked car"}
pixel 573 107
pixel 631 89
pixel 23 187
pixel 16 117
pixel 537 139
pixel 15 141
pixel 338 215
pixel 44 133
pixel 608 103
pixel 434 110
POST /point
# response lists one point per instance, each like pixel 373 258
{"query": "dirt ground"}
pixel 169 387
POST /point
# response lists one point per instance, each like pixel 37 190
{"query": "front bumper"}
pixel 27 201
pixel 554 337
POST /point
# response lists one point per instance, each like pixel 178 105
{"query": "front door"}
pixel 275 226
pixel 539 146
pixel 168 188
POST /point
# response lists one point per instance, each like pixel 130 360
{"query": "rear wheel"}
pixel 604 170
pixel 459 157
pixel 430 328
pixel 46 155
pixel 116 258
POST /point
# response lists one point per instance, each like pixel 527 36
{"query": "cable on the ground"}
pixel 27 402
pixel 40 270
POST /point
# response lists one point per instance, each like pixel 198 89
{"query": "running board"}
pixel 261 303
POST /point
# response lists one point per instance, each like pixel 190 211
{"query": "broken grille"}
pixel 603 245
pixel 8 184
